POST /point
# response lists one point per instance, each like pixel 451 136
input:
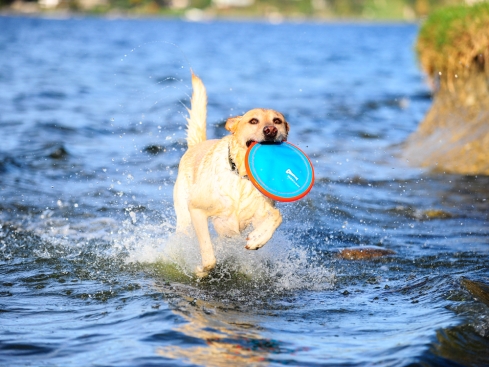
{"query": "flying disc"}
pixel 280 171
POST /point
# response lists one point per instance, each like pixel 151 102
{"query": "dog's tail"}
pixel 196 128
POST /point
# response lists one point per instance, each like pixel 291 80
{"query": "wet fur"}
pixel 208 187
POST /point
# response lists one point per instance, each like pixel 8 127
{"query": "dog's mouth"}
pixel 249 142
pixel 265 141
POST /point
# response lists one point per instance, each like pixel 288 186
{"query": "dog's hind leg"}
pixel 184 223
pixel 201 226
pixel 180 202
pixel 264 227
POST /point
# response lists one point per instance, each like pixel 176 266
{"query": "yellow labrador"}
pixel 212 181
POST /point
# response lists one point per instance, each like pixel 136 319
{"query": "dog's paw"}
pixel 259 237
pixel 252 247
pixel 200 272
pixel 255 242
pixel 203 271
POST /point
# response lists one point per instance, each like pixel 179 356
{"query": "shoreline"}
pixel 453 49
pixel 115 14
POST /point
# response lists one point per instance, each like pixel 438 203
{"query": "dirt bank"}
pixel 453 48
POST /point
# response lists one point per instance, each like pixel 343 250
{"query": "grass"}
pixel 454 41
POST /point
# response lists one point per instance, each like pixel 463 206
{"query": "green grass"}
pixel 452 37
pixel 443 27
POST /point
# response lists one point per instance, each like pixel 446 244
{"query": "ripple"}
pixel 24 349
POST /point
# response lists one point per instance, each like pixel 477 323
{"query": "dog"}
pixel 212 181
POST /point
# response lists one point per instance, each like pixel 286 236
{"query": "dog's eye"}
pixel 253 121
pixel 277 121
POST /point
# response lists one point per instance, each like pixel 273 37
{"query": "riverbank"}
pixel 195 15
pixel 453 49
pixel 274 11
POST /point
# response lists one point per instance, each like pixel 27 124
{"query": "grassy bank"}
pixel 453 48
pixel 454 42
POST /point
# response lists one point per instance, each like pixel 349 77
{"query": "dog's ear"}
pixel 232 123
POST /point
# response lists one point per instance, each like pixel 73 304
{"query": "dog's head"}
pixel 258 125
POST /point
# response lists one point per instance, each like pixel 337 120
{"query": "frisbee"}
pixel 280 171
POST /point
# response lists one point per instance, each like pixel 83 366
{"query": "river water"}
pixel 92 126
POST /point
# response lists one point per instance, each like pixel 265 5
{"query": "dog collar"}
pixel 231 162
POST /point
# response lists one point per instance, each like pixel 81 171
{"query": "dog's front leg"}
pixel 264 227
pixel 201 226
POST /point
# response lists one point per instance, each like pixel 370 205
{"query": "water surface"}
pixel 92 126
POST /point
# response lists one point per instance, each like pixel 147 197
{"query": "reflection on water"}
pixel 230 341
pixel 92 127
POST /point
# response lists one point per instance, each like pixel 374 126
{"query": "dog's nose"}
pixel 270 131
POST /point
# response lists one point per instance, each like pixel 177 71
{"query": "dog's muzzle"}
pixel 270 132
pixel 269 135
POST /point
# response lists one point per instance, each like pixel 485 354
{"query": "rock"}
pixel 432 214
pixel 364 253
pixel 154 149
pixel 479 290
pixel 59 153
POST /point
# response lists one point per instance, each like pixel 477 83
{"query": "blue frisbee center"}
pixel 280 170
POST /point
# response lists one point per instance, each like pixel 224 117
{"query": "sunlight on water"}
pixel 92 118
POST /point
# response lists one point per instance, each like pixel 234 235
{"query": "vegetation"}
pixel 325 9
pixel 453 47
pixel 454 42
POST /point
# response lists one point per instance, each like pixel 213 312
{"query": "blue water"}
pixel 92 127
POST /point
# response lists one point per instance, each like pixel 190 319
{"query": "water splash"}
pixel 146 240
pixel 280 264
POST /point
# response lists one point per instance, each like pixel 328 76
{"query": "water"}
pixel 92 126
